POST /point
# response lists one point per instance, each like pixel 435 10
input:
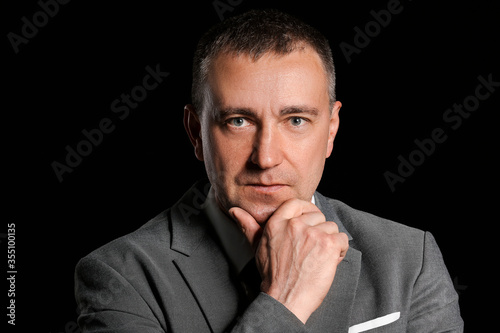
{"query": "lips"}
pixel 266 188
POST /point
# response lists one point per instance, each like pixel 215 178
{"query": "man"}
pixel 263 120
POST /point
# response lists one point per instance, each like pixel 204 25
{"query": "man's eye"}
pixel 297 121
pixel 238 122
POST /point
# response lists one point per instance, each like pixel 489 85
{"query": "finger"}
pixel 294 208
pixel 343 242
pixel 248 225
pixel 309 219
pixel 328 227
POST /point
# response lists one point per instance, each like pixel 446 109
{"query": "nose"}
pixel 267 151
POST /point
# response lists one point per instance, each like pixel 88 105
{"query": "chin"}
pixel 260 203
pixel 261 214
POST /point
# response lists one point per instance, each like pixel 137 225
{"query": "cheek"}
pixel 308 157
pixel 310 150
pixel 224 157
pixel 310 163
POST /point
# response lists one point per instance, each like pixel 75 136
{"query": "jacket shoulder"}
pixel 374 235
pixel 358 221
pixel 148 240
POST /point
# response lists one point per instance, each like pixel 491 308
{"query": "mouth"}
pixel 266 188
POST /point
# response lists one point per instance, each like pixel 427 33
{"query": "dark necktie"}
pixel 250 280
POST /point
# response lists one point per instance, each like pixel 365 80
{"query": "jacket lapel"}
pixel 202 264
pixel 335 311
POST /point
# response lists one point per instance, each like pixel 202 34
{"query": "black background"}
pixel 395 90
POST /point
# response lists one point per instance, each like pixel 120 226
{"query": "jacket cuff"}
pixel 265 314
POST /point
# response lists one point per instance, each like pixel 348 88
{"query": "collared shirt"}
pixel 233 241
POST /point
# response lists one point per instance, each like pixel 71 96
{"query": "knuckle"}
pixel 272 225
pixel 271 229
pixel 326 242
pixel 321 235
pixel 334 226
pixel 319 238
pixel 295 225
pixel 343 237
pixel 336 242
pixel 313 233
pixel 318 216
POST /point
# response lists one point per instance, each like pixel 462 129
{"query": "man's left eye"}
pixel 297 121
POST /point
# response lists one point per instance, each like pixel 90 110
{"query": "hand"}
pixel 297 253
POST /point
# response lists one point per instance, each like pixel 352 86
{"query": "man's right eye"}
pixel 238 122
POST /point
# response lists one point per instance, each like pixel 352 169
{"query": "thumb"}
pixel 248 225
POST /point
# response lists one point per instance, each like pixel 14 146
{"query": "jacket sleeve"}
pixel 434 306
pixel 265 314
pixel 108 303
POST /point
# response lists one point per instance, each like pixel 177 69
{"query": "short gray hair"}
pixel 255 33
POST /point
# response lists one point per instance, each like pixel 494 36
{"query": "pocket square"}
pixel 374 323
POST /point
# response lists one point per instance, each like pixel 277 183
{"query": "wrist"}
pixel 301 307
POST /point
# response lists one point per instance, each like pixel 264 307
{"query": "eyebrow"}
pixel 288 110
pixel 226 112
pixel 298 109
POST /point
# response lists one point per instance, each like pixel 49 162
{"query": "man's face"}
pixel 266 130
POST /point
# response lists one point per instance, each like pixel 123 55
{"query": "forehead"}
pixel 271 82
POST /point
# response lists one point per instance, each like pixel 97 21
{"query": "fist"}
pixel 297 253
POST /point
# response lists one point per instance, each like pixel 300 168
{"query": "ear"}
pixel 192 125
pixel 333 127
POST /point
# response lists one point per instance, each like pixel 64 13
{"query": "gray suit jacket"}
pixel 171 275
